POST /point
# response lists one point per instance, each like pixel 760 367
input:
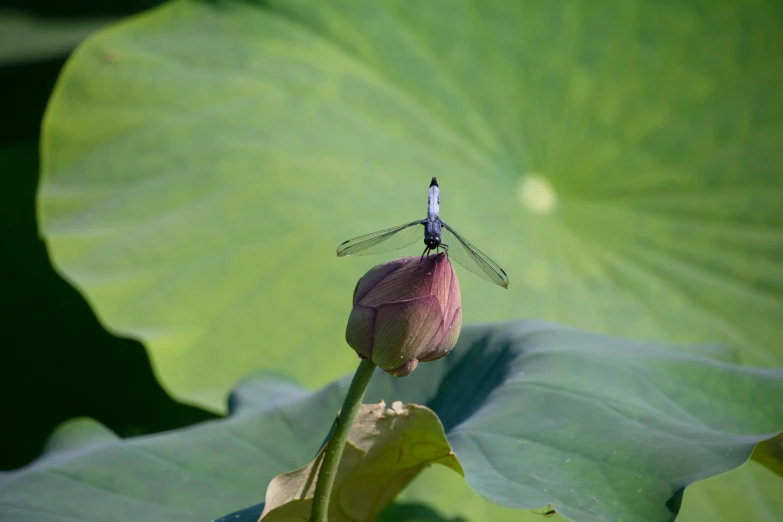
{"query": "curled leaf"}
pixel 387 447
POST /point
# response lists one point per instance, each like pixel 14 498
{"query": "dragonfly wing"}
pixel 472 258
pixel 384 240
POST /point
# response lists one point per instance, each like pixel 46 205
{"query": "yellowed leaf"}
pixel 387 447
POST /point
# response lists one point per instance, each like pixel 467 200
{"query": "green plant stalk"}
pixel 336 445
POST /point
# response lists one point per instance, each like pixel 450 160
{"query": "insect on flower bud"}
pixel 404 312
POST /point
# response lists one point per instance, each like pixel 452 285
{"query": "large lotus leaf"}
pixel 619 158
pixel 750 493
pixel 589 424
pixel 770 454
pixel 193 474
pixel 599 428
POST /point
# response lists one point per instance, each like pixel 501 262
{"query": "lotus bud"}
pixel 404 312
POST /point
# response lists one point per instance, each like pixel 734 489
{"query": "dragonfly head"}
pixel 432 240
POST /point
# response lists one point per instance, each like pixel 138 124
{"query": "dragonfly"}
pixel 437 236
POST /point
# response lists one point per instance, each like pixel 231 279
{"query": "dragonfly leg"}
pixel 426 249
pixel 445 248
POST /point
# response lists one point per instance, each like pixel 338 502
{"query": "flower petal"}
pixel 412 280
pixel 405 330
pixel 444 279
pixel 374 276
pixel 359 332
pixel 404 370
pixel 448 336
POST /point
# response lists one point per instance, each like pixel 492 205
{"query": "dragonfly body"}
pixel 435 232
pixel 432 226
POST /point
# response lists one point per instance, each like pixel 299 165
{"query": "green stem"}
pixel 336 445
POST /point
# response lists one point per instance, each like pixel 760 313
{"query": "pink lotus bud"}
pixel 406 311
